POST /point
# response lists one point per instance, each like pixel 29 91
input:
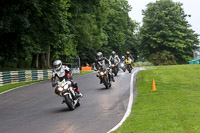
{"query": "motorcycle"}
pixel 115 68
pixel 123 66
pixel 129 64
pixel 65 90
pixel 104 76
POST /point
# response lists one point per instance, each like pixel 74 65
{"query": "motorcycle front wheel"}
pixel 106 82
pixel 129 68
pixel 69 102
pixel 115 71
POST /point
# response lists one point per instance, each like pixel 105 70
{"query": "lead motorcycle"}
pixel 115 68
pixel 66 91
pixel 104 76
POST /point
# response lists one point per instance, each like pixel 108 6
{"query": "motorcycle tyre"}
pixel 129 68
pixel 115 71
pixel 106 82
pixel 69 102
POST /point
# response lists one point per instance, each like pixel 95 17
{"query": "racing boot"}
pixel 101 81
pixel 78 94
pixel 113 78
pixel 63 101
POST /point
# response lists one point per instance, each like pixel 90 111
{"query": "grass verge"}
pixel 139 64
pixel 173 108
pixel 83 73
pixel 11 86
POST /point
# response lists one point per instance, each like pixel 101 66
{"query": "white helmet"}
pixel 113 53
pixel 57 65
pixel 99 55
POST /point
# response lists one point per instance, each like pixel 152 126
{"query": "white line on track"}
pixel 130 104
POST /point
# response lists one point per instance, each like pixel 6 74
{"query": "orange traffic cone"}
pixel 153 85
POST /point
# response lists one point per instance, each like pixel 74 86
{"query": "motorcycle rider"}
pixel 114 56
pixel 103 60
pixel 61 71
pixel 129 55
pixel 123 59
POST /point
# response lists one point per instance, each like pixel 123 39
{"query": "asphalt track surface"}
pixel 37 109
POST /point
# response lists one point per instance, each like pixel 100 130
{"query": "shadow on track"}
pixel 104 88
pixel 61 110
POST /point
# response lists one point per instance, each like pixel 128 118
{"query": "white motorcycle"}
pixel 65 90
pixel 123 66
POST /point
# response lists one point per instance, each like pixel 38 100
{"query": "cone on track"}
pixel 153 85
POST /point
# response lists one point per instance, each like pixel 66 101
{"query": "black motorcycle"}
pixel 115 68
pixel 104 76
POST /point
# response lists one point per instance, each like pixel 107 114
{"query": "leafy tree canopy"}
pixel 165 29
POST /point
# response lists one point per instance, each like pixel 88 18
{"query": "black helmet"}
pixel 57 65
pixel 99 55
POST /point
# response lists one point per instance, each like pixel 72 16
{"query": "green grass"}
pixel 11 86
pixel 173 108
pixel 138 64
pixel 83 73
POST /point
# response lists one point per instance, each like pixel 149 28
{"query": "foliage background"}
pixel 34 33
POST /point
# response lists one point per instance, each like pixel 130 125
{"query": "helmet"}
pixel 127 53
pixel 57 65
pixel 99 55
pixel 123 57
pixel 113 53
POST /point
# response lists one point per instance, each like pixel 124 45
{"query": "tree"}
pixel 35 32
pixel 117 27
pixel 85 26
pixel 165 29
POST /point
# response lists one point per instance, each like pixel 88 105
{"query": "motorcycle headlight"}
pixel 101 73
pixel 122 65
pixel 66 86
pixel 113 65
pixel 60 88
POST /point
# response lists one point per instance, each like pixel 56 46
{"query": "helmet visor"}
pixel 99 57
pixel 56 66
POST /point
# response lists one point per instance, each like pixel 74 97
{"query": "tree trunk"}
pixel 36 61
pixel 48 56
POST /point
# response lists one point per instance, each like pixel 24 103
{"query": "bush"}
pixel 163 58
pixel 146 63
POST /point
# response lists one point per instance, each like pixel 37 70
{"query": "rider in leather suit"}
pixel 114 56
pixel 61 71
pixel 103 60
